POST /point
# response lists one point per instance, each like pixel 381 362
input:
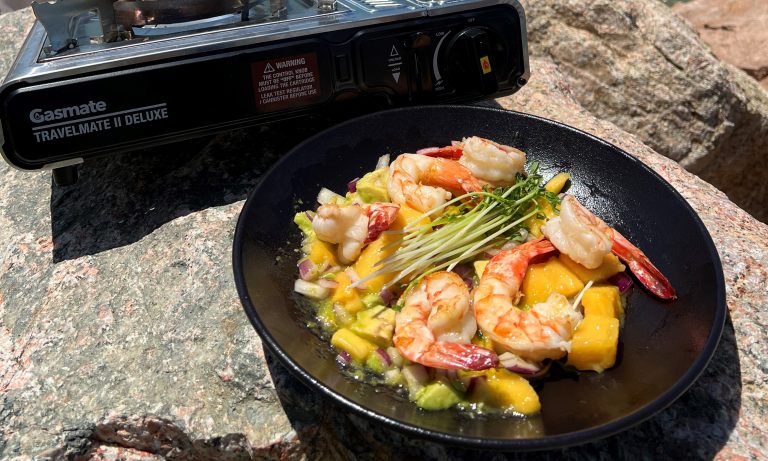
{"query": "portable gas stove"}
pixel 100 76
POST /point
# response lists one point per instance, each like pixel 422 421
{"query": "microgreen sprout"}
pixel 465 227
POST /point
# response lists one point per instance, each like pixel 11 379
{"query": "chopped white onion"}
pixel 383 162
pixel 327 196
pixel 310 289
pixel 416 377
pixel 395 356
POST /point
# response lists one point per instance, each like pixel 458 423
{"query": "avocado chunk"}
pixel 373 186
pixel 376 325
pixel 376 363
pixel 372 300
pixel 438 395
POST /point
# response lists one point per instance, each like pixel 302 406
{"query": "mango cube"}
pixel 594 343
pixel 543 279
pixel 480 267
pixel 556 184
pixel 534 223
pixel 345 295
pixel 608 268
pixel 358 348
pixel 503 389
pixel 322 253
pixel 602 300
pixel 375 251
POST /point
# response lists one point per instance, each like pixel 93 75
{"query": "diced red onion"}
pixel 328 283
pixel 622 281
pixel 470 383
pixel 352 185
pixel 543 372
pixel 466 272
pixel 386 296
pixel 384 356
pixel 307 269
pixel 517 364
pixel 450 374
pixel 310 215
pixel 343 358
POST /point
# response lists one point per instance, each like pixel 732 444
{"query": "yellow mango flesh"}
pixel 534 223
pixel 480 267
pixel 321 252
pixel 602 300
pixel 506 390
pixel 375 252
pixel 543 279
pixel 594 343
pixel 556 184
pixel 608 268
pixel 358 348
pixel 348 297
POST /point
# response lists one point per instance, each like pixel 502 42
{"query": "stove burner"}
pixel 72 22
pixel 142 13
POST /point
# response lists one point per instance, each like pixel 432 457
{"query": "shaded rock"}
pixel 639 65
pixel 735 30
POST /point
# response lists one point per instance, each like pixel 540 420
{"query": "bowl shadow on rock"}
pixel 119 199
pixel 696 426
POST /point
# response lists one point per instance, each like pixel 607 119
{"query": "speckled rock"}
pixel 639 65
pixel 735 30
pixel 121 335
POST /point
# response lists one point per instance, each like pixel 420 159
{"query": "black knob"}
pixel 473 59
pixel 418 46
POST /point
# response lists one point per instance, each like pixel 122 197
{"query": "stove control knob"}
pixel 418 46
pixel 470 60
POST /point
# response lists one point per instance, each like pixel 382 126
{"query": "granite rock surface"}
pixel 735 30
pixel 121 335
pixel 639 65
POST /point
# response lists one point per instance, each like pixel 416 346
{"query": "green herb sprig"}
pixel 465 227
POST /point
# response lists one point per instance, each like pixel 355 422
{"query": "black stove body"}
pixel 96 77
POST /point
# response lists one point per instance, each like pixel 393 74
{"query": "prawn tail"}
pixel 458 356
pixel 538 247
pixel 452 176
pixel 450 152
pixel 650 276
pixel 380 217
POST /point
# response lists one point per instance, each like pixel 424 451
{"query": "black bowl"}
pixel 664 345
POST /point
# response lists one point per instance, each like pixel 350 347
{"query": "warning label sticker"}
pixel 286 81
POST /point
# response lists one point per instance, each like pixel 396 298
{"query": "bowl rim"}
pixel 623 423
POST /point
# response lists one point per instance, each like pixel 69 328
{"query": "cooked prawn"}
pixel 488 161
pixel 436 325
pixel 352 226
pixel 545 330
pixel 422 182
pixel 586 239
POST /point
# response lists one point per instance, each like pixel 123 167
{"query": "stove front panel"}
pixel 451 58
